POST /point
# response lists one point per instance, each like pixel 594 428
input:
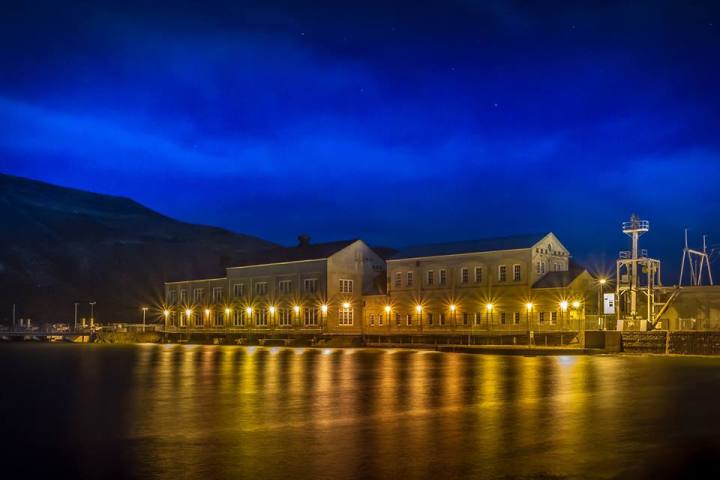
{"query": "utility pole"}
pixel 92 317
pixel 76 305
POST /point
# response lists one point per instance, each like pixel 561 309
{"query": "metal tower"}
pixel 636 273
pixel 696 261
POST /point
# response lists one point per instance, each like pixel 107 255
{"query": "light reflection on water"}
pixel 247 412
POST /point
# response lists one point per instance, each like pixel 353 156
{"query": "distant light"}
pixel 563 305
pixel 576 304
pixel 323 308
pixel 529 306
pixel 248 310
pixel 418 308
pixel 166 312
pixel 272 309
pixel 207 311
pixel 388 308
pixel 489 307
pixel 188 312
pixel 346 305
pixel 452 307
pixel 296 308
pixel 603 281
pixel 227 311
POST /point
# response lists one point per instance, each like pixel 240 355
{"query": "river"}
pixel 171 411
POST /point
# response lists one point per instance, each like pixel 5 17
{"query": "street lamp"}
pixel 563 309
pixel 489 307
pixel 453 307
pixel 92 317
pixel 166 313
pixel 323 322
pixel 188 313
pixel 528 307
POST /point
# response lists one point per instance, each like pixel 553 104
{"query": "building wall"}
pixel 548 255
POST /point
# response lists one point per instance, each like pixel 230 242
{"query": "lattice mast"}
pixel 697 262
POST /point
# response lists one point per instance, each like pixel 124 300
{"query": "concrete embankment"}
pixel 125 337
pixel 677 342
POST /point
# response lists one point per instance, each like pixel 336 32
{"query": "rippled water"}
pixel 166 411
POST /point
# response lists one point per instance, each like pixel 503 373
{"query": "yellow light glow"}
pixel 207 312
pixel 576 304
pixel 271 309
pixel 489 307
pixel 248 310
pixel 296 308
pixel 346 305
pixel 166 312
pixel 188 312
pixel 323 308
pixel 603 281
pixel 563 305
pixel 529 306
pixel 227 311
pixel 387 308
pixel 418 308
pixel 452 307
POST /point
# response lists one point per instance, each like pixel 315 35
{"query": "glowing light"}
pixel 248 310
pixel 418 308
pixel 387 308
pixel 166 312
pixel 227 311
pixel 188 312
pixel 452 307
pixel 489 307
pixel 296 308
pixel 346 305
pixel 603 281
pixel 576 304
pixel 563 305
pixel 327 351
pixel 323 308
pixel 272 309
pixel 207 312
pixel 529 306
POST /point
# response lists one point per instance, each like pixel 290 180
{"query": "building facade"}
pixel 510 283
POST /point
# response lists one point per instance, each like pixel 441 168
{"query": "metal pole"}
pixel 75 326
pixel 13 316
pixel 144 312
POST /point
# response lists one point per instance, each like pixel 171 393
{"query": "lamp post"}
pixel 563 309
pixel 166 314
pixel 419 309
pixel 489 308
pixel 76 306
pixel 600 303
pixel 92 316
pixel 296 309
pixel 453 307
pixel 144 310
pixel 388 311
pixel 323 317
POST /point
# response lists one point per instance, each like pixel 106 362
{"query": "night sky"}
pixel 396 122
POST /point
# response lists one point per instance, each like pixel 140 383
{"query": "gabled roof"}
pixel 299 253
pixel 470 246
pixel 560 279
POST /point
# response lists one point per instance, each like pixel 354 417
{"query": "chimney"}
pixel 303 240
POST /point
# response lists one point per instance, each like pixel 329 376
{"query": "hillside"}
pixel 60 245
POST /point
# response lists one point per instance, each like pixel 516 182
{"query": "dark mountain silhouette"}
pixel 60 245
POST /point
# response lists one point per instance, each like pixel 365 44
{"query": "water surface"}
pixel 168 411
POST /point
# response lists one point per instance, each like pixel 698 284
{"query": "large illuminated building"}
pixel 512 283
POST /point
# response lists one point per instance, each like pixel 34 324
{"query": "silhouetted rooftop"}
pixel 311 251
pixel 470 246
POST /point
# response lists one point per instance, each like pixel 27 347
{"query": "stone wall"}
pixel 679 343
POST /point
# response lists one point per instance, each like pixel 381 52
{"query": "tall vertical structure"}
pixel 697 261
pixel 636 274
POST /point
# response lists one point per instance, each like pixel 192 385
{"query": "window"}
pixel 346 286
pixel 556 267
pixel 502 273
pixel 380 319
pixel 478 274
pixel 219 319
pixel 398 320
pixel 409 279
pixel 182 319
pixel 183 296
pixel 372 319
pixel 198 295
pixel 441 319
pixel 516 318
pixel 345 316
pixel 173 296
pixel 478 318
pixel 285 317
pixel 464 275
pixel 285 286
pixel 538 267
pixel 310 285
pixel 542 267
pixel 516 273
pixel 553 318
pixel 238 318
pixel 408 319
pixel 443 277
pixel 197 319
pixel 261 317
pixel 430 277
pixel 502 318
pixel 261 288
pixel 430 318
pixel 310 316
pixel 465 319
pixel 541 317
pixel 398 280
pixel 238 290
pixel 217 294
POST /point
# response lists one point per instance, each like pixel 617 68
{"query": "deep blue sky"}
pixel 396 122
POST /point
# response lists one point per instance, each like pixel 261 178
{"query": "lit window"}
pixel 398 321
pixel 346 286
pixel 372 319
pixel 478 318
pixel 502 273
pixel 380 319
pixel 516 318
pixel 516 273
pixel 464 275
pixel 345 316
pixel 553 317
pixel 541 317
pixel 408 319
